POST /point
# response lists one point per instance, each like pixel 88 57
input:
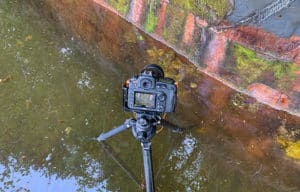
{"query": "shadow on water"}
pixel 58 96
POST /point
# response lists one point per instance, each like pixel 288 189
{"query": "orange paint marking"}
pixel 201 22
pixel 216 53
pixel 189 29
pixel 137 8
pixel 269 95
pixel 161 18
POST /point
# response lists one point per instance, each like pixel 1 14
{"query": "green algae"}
pixel 121 6
pixel 187 5
pixel 165 33
pixel 250 67
pixel 220 6
pixel 151 20
pixel 211 10
pixel 239 101
pixel 287 68
pixel 173 29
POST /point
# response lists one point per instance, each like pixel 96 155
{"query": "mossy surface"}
pixel 121 6
pixel 152 16
pixel 250 67
pixel 210 10
pixel 238 100
pixel 173 28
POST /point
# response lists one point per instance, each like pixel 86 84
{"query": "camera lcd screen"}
pixel 144 100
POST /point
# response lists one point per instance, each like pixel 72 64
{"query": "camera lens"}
pixel 146 83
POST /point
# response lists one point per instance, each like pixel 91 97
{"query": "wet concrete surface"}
pixel 284 23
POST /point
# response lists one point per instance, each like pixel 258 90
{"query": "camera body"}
pixel 150 92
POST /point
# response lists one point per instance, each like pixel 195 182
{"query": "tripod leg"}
pixel 148 166
pixel 127 124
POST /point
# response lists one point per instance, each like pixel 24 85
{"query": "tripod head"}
pixel 148 96
pixel 145 127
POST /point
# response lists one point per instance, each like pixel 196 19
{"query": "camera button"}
pixel 161 86
pixel 162 97
pixel 160 108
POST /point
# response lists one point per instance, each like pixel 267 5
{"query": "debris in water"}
pixel 292 149
pixel 288 141
pixel 85 81
pixel 202 130
pixel 193 85
pixel 28 103
pixel 68 130
pixel 19 43
pixel 28 38
pixel 66 51
pixel 6 79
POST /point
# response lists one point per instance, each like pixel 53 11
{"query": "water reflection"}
pixel 58 97
pixel 38 180
pixel 51 105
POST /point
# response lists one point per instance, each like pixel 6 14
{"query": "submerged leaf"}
pixel 28 38
pixel 293 150
pixel 68 130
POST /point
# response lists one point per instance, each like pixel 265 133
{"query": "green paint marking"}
pixel 150 22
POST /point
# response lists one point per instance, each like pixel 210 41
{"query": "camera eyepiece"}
pixel 146 83
pixel 157 71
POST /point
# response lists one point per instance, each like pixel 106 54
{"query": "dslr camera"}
pixel 150 92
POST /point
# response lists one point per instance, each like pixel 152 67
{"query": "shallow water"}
pixel 56 97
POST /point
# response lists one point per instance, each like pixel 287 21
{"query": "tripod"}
pixel 143 129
